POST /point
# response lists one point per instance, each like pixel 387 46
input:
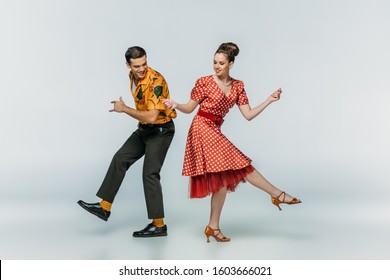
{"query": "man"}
pixel 152 139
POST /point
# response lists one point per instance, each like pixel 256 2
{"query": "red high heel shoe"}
pixel 213 233
pixel 278 200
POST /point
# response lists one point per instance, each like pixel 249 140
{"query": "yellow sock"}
pixel 106 205
pixel 158 222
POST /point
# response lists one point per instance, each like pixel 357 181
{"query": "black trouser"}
pixel 153 142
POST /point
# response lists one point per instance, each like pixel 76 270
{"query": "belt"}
pixel 150 125
pixel 216 119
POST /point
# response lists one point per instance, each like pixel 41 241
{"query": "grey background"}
pixel 326 140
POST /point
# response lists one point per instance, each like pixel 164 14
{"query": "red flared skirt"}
pixel 209 183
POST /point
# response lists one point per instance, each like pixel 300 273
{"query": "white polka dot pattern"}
pixel 207 149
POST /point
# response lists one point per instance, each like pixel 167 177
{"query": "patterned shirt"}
pixel 148 95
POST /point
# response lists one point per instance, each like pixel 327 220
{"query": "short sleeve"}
pixel 242 98
pixel 157 90
pixel 198 92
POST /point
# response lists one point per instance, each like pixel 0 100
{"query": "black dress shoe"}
pixel 151 231
pixel 96 209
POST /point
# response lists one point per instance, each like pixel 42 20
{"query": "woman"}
pixel 214 164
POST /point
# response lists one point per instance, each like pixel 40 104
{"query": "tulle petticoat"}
pixel 209 183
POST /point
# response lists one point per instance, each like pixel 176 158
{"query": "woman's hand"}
pixel 275 96
pixel 169 103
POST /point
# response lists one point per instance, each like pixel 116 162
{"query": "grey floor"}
pixel 344 221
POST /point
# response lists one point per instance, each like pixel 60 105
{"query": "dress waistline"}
pixel 216 119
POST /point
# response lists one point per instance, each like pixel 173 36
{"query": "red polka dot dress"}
pixel 211 160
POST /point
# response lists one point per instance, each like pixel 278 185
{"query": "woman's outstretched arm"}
pixel 250 113
pixel 184 108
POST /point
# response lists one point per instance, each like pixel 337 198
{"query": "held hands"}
pixel 119 106
pixel 169 103
pixel 275 96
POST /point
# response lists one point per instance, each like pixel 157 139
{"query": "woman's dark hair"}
pixel 133 53
pixel 230 49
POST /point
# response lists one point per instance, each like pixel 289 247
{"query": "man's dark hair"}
pixel 134 52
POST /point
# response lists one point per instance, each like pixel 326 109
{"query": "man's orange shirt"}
pixel 149 93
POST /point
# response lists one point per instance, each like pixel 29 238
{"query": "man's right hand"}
pixel 119 105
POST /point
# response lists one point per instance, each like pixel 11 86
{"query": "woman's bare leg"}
pixel 217 201
pixel 256 179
